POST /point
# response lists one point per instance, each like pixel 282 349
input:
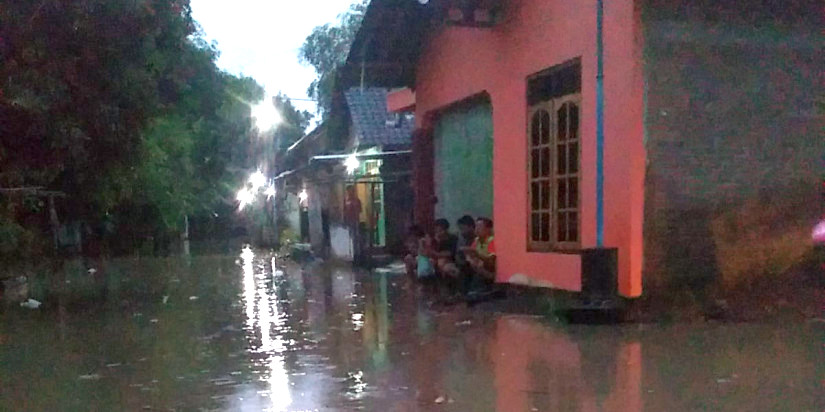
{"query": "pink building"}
pixel 707 110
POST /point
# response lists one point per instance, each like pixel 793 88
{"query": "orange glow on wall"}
pixel 460 62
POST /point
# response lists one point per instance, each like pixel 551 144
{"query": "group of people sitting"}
pixel 465 263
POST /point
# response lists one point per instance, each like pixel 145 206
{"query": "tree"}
pixel 294 123
pixel 82 79
pixel 327 48
pixel 120 105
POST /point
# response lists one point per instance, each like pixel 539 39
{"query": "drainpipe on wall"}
pixel 599 123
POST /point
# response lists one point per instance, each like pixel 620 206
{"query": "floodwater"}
pixel 248 333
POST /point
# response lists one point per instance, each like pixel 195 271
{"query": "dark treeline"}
pixel 118 105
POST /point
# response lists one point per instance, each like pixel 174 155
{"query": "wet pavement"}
pixel 249 333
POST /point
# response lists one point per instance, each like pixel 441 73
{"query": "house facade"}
pixel 705 112
pixel 371 154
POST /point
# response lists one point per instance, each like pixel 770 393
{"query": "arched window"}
pixel 541 206
pixel 567 173
pixel 554 159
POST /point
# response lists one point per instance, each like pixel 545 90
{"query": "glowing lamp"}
pixel 266 116
pixel 352 163
pixel 257 180
pixel 244 198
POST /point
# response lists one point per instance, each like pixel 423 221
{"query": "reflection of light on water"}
pixel 248 286
pixel 265 322
pixel 278 378
pixel 267 318
pixel 357 321
pixel 358 386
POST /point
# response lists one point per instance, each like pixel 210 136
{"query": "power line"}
pixel 295 99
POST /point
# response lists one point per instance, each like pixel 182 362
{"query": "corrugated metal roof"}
pixel 373 124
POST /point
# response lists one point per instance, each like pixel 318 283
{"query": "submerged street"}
pixel 248 332
pixel 588 205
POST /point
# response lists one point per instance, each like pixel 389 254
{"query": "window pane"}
pixel 574 157
pixel 545 162
pixel 573 193
pixel 545 127
pixel 535 227
pixel 545 227
pixel 561 198
pixel 534 189
pixel 562 225
pixel 562 125
pixel 534 162
pixel 545 194
pixel 573 227
pixel 561 152
pixel 535 128
pixel 574 121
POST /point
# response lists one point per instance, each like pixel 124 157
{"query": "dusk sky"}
pixel 261 39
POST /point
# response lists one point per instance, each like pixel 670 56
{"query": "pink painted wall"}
pixel 535 35
pixel 529 358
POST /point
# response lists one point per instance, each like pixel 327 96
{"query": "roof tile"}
pixel 368 109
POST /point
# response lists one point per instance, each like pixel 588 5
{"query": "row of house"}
pixel 362 145
pixel 619 145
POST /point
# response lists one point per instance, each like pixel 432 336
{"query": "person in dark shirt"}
pixel 459 272
pixel 467 232
pixel 352 218
pixel 441 252
pixel 445 243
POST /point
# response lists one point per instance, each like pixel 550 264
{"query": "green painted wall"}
pixel 464 162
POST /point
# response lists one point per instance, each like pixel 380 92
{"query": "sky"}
pixel 261 39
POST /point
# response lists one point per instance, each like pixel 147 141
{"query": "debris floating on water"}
pixel 30 304
pixel 165 299
pixel 193 298
pixel 90 377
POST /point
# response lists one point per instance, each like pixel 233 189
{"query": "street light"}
pixel 244 197
pixel 352 163
pixel 269 192
pixel 266 116
pixel 257 180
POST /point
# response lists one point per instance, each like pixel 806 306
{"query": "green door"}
pixel 464 162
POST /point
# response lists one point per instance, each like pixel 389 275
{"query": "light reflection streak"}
pixel 357 321
pixel 267 318
pixel 358 386
pixel 247 257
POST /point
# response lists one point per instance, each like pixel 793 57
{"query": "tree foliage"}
pixel 327 48
pixel 87 75
pixel 294 124
pixel 120 105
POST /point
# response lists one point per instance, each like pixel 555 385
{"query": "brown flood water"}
pixel 248 333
